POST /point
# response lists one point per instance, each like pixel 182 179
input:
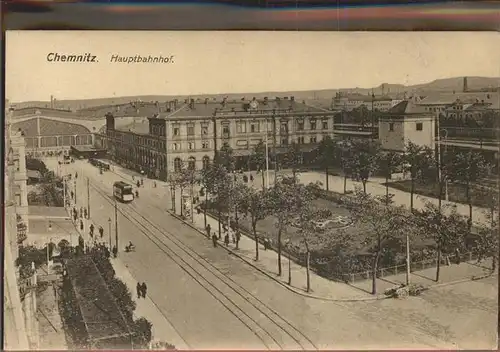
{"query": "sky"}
pixel 238 62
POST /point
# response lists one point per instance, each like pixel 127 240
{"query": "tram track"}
pixel 273 330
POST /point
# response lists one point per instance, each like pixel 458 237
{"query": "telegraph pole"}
pixel 408 260
pixel 88 197
pixel 116 225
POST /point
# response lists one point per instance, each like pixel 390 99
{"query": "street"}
pixel 216 301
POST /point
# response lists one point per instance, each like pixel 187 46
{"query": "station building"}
pixel 190 132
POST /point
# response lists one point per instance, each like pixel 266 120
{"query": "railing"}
pixel 414 266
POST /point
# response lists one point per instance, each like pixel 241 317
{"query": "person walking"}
pixel 139 290
pixel 138 184
pixel 208 229
pixel 115 252
pixel 226 239
pixel 91 230
pixel 214 240
pixel 238 237
pixel 72 195
pixel 85 214
pixel 101 231
pixel 81 224
pixel 144 289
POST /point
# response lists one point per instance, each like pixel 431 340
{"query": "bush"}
pixel 142 333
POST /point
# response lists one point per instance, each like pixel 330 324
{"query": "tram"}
pixel 123 191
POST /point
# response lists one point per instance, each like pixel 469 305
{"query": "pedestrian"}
pixel 138 184
pixel 251 178
pixel 72 195
pixel 139 290
pixel 85 213
pixel 457 254
pixel 266 244
pixel 144 289
pixel 91 229
pixel 233 236
pixel 81 225
pixel 238 237
pixel 226 239
pixel 101 231
pixel 214 240
pixel 154 184
pixel 115 251
pixel 208 230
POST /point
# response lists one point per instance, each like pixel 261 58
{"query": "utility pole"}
pixel 116 225
pixel 408 261
pixel 88 197
pixel 267 155
pixel 75 192
pixel 109 232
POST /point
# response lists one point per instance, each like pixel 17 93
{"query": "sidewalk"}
pixel 162 329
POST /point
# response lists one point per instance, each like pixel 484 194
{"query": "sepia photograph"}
pixel 196 190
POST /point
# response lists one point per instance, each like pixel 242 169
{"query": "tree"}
pixel 345 161
pixel 219 178
pixel 258 158
pixel 142 333
pixel 389 163
pixel 187 177
pixel 225 158
pixel 326 156
pixel 487 245
pixel 308 215
pixel 364 160
pixel 469 169
pixel 285 201
pixel 416 160
pixel 293 157
pixel 383 227
pixel 448 231
pixel 255 205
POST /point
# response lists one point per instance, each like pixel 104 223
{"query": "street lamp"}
pixel 287 244
pixel 109 232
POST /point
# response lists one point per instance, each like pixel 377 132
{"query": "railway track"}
pixel 273 330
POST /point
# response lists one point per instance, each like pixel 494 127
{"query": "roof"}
pixel 139 126
pixel 42 111
pixel 450 98
pixel 86 148
pixel 98 308
pixel 47 212
pixel 366 98
pixel 407 107
pixel 49 127
pixel 33 174
pixel 239 108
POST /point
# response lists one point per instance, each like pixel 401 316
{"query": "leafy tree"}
pixel 293 157
pixel 285 201
pixel 416 160
pixel 142 333
pixel 487 244
pixel 306 224
pixel 326 156
pixel 258 158
pixel 225 157
pixel 383 227
pixel 217 186
pixel 445 226
pixel 345 151
pixel 237 190
pixel 255 205
pixel 389 162
pixel 470 168
pixel 364 160
pixel 187 178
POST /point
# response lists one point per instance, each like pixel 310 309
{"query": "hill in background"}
pixel 319 96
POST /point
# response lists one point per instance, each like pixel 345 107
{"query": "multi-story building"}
pixel 20 329
pixel 347 102
pixel 407 122
pixel 192 131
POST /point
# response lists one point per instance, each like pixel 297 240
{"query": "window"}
pixel 312 122
pixel 241 127
pixel 192 163
pixel 420 126
pixel 190 145
pixel 204 130
pixel 177 131
pixel 175 146
pixel 177 165
pixel 300 125
pixel 312 140
pixel 284 127
pixel 300 140
pixel 254 128
pixel 242 143
pixel 225 130
pixel 391 127
pixel 325 124
pixel 190 130
pixel 284 141
pixel 206 162
pixel 205 145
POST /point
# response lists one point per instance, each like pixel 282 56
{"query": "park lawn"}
pixel 456 191
pixel 267 228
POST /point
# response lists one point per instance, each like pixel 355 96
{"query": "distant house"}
pixel 33 176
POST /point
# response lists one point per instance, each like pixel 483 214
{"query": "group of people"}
pixel 229 233
pixel 141 290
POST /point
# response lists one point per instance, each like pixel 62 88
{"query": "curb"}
pixel 292 289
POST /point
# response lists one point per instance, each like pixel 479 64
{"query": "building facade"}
pixel 348 102
pixel 190 132
pixel 20 323
pixel 407 122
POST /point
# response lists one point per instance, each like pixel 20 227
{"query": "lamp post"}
pixel 267 154
pixel 109 232
pixel 287 243
pixel 116 226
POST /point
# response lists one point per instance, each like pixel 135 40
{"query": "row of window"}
pixel 419 126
